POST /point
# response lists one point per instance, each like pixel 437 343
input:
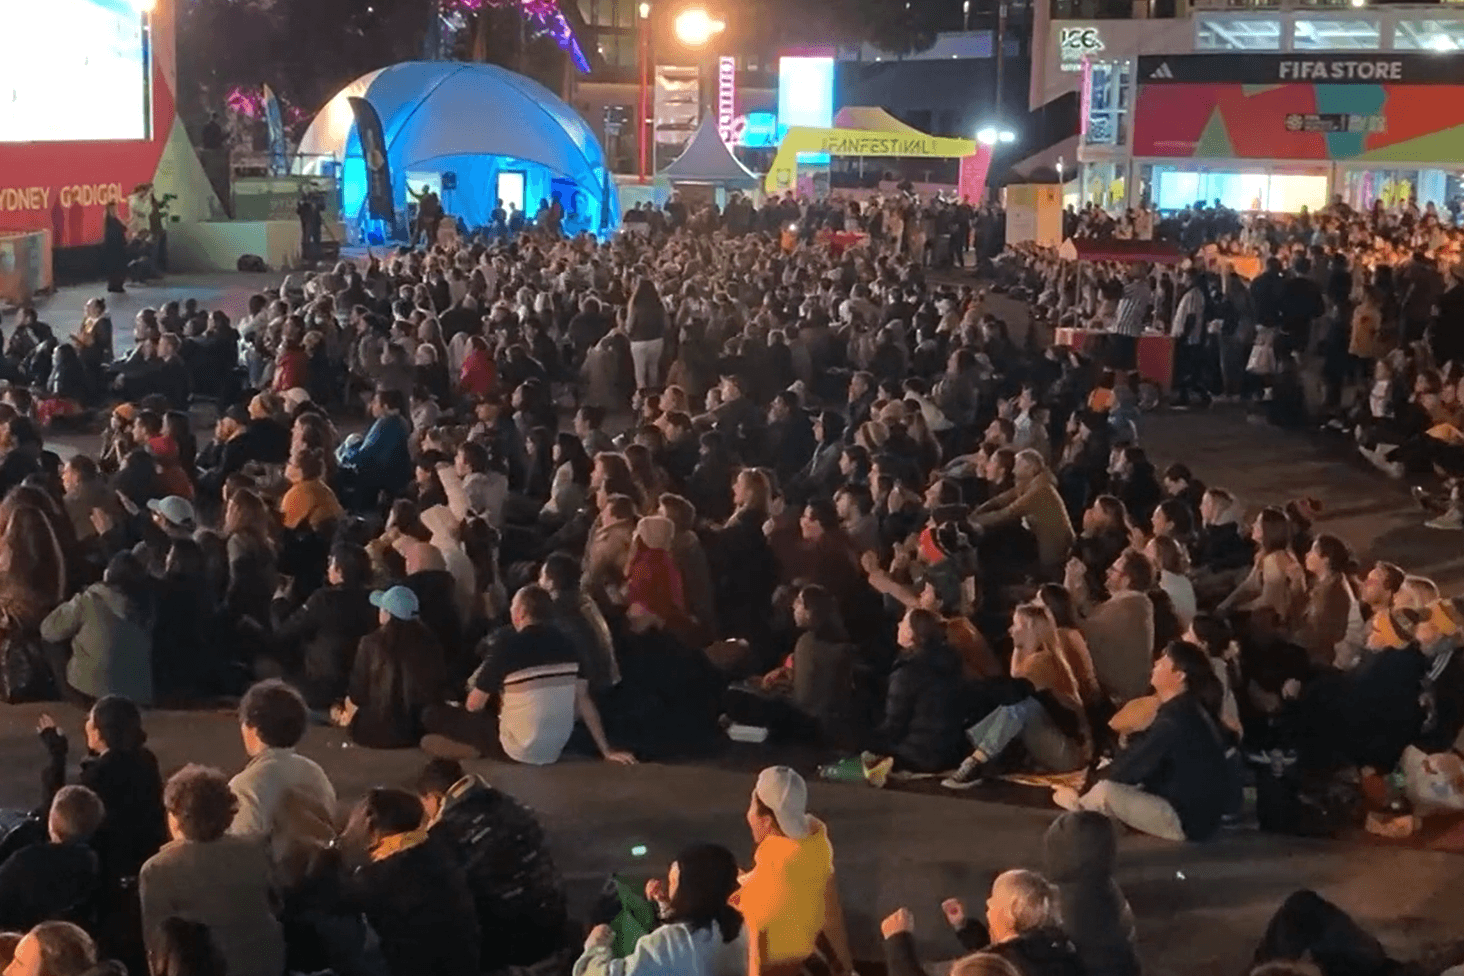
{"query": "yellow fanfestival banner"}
pixel 783 174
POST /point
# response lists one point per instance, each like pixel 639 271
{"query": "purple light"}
pixel 246 101
pixel 543 14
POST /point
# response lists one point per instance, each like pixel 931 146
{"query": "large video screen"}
pixel 77 71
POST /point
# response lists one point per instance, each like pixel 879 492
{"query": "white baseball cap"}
pixel 784 792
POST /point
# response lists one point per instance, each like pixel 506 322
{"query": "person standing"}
pixel 114 250
pixel 646 323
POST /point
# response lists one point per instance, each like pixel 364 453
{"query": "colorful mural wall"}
pixel 1389 123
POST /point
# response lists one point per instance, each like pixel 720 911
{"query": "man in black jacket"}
pixel 516 887
pixel 242 435
pixel 56 880
pixel 320 636
pixel 1022 926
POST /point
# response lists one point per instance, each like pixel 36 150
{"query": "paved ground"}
pixel 1200 908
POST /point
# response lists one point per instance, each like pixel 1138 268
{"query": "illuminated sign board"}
pixel 806 95
pixel 726 96
pixel 1076 43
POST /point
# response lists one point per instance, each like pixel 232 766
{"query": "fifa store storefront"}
pixel 1274 132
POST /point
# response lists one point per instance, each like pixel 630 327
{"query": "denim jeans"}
pixel 1049 748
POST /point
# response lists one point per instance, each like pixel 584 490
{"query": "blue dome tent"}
pixel 479 122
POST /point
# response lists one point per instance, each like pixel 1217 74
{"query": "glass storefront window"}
pixel 1175 189
pixel 1221 32
pixel 1107 106
pixel 1361 188
pixel 1429 35
pixel 1336 35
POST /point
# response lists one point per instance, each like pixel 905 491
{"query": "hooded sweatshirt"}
pixel 1079 851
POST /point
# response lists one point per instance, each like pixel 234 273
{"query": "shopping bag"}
pixel 636 918
pixel 1433 782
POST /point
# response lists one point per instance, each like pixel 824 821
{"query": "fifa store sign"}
pixel 1076 43
pixel 1370 70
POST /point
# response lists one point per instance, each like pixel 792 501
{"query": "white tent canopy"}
pixel 707 159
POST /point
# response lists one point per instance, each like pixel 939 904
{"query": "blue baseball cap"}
pixel 399 601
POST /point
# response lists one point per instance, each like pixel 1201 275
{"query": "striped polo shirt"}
pixel 536 670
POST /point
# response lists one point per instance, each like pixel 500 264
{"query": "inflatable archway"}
pixel 783 174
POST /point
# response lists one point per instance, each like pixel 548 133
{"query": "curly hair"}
pixel 201 802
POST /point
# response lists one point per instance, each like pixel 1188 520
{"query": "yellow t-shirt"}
pixel 785 895
pixel 312 500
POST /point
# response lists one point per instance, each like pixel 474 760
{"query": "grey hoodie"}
pixel 1079 851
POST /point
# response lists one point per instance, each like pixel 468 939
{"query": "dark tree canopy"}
pixel 307 50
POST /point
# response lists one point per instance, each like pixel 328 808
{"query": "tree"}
pixel 897 26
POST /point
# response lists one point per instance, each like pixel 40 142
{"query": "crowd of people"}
pixel 801 492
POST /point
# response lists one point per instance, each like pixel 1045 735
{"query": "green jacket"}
pixel 111 652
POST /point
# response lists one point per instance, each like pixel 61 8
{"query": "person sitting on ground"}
pixel 1221 552
pixel 211 877
pixel 581 619
pixel 790 899
pixel 272 721
pixel 413 894
pixel 700 933
pixel 380 462
pixel 1034 500
pixel 1119 630
pixel 309 503
pixel 1411 593
pixel 398 672
pixel 1051 717
pixel 921 730
pixel 59 879
pixel 1174 781
pixel 535 670
pixel 319 638
pixel 123 773
pixel 1104 538
pixel 1171 559
pixel 101 639
pixel 1331 629
pixel 1023 926
pixel 516 887
pixel 57 949
pixel 1277 581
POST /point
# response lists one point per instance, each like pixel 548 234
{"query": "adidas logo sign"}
pixel 1162 72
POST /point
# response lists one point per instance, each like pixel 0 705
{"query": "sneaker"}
pixel 441 747
pixel 879 772
pixel 1393 469
pixel 1453 520
pixel 967 775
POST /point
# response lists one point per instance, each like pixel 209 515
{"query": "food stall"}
pixel 1156 349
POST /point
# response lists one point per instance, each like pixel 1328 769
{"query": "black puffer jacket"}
pixel 1080 850
pixel 922 721
pixel 417 901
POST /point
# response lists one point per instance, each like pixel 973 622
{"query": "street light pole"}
pixel 643 43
